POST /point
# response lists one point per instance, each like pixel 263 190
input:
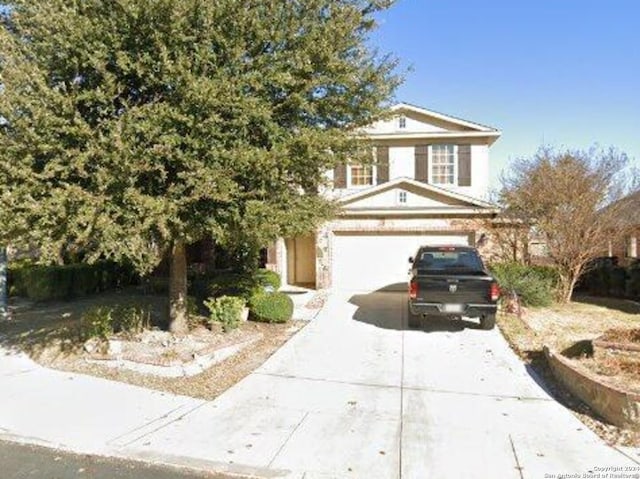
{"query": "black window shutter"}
pixel 382 164
pixel 464 165
pixel 422 163
pixel 340 176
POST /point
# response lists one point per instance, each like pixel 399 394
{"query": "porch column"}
pixel 280 251
pixel 633 247
pixel 323 258
pixel 4 302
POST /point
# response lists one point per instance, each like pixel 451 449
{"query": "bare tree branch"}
pixel 573 200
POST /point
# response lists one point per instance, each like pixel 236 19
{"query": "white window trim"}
pixel 402 122
pixel 399 196
pixel 455 166
pixel 374 178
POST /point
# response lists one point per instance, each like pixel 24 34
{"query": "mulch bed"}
pixel 206 385
pixel 46 332
pixel 161 348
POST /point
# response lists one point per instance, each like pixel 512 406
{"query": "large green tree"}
pixel 130 128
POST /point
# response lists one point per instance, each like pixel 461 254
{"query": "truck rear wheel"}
pixel 413 319
pixel 488 321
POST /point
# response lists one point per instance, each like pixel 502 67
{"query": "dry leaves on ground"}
pixel 560 327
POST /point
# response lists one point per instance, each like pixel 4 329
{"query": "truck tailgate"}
pixel 458 290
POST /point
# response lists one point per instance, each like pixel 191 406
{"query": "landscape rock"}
pixel 92 345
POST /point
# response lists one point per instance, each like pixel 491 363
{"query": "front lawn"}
pixel 48 333
pixel 562 326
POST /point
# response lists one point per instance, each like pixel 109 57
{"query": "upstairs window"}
pixel 443 160
pixel 402 122
pixel 402 197
pixel 361 175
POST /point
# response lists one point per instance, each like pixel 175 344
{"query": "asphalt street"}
pixel 19 461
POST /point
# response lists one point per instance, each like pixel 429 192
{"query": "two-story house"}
pixel 626 248
pixel 429 185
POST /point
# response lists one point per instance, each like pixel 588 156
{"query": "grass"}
pixel 561 325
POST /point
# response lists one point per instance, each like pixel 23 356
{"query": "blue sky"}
pixel 558 72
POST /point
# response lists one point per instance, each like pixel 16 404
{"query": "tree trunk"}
pixel 4 302
pixel 567 283
pixel 178 289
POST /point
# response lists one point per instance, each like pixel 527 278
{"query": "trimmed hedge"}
pixel 271 308
pixel 534 285
pixel 42 283
pixel 233 284
pixel 616 281
pixel 268 279
pixel 633 284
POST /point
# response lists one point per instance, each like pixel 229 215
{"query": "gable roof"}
pixel 441 116
pixel 628 209
pixel 449 127
pixel 469 202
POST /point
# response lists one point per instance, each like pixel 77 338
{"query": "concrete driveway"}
pixel 357 395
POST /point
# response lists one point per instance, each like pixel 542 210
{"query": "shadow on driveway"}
pixel 386 308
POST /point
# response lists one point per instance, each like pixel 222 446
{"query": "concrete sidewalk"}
pixel 353 395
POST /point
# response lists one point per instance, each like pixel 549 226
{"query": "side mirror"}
pixel 410 259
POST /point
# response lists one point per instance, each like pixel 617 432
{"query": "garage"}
pixel 369 261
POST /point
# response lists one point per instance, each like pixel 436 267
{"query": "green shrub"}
pixel 609 280
pixel 535 286
pixel 83 279
pixel 130 319
pixel 193 307
pixel 634 282
pixel 104 321
pixel 242 285
pixel 226 310
pixel 198 287
pixel 45 282
pixel 97 322
pixel 617 281
pixel 15 282
pixel 42 282
pixel 549 273
pixel 271 307
pixel 159 285
pixel 268 279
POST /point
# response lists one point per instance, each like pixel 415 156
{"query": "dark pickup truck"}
pixel 451 281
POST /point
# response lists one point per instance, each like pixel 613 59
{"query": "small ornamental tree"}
pixel 570 198
pixel 130 128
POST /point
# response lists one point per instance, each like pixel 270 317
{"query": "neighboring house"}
pixel 429 185
pixel 627 249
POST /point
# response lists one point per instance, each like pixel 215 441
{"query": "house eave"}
pixel 442 116
pixel 421 212
pixel 490 136
pixel 345 200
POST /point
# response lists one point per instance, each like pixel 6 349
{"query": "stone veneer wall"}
pixel 620 408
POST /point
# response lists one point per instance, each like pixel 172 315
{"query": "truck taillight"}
pixel 494 292
pixel 413 290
